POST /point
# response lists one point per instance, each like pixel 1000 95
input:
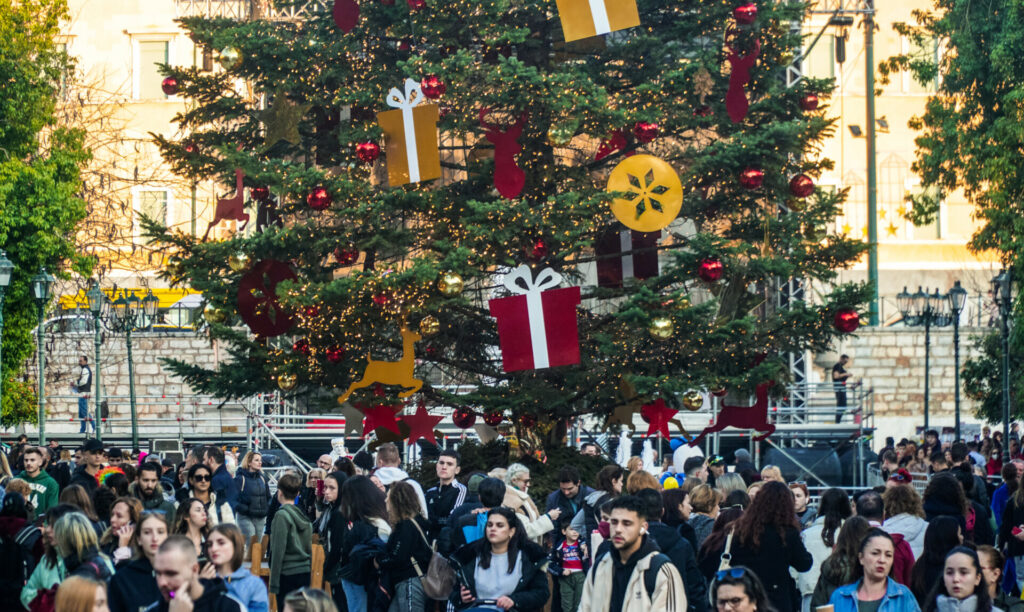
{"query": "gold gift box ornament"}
pixel 586 18
pixel 411 136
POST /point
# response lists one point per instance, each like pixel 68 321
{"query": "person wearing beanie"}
pixel 742 460
pixel 363 462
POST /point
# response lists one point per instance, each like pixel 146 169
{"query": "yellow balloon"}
pixel 655 193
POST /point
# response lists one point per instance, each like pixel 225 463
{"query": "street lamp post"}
pixel 126 312
pixel 6 270
pixel 41 285
pixel 1002 290
pixel 957 300
pixel 97 304
pixel 925 309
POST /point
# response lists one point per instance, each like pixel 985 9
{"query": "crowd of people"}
pixel 97 529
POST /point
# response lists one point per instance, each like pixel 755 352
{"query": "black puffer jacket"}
pixel 133 587
pixel 532 590
pixel 253 494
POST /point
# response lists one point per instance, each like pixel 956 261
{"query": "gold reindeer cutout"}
pixel 399 373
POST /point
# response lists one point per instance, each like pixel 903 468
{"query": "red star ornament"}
pixel 421 425
pixel 658 414
pixel 380 415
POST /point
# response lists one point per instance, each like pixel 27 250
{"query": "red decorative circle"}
pixel 752 178
pixel 257 298
pixel 463 418
pixel 846 320
pixel 335 353
pixel 367 152
pixel 801 186
pixel 301 346
pixel 710 270
pixel 170 86
pixel 433 87
pixel 347 255
pixel 319 199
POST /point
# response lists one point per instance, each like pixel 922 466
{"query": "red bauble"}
pixel 745 14
pixel 539 250
pixel 710 270
pixel 464 419
pixel 719 392
pixel 528 421
pixel 752 178
pixel 170 86
pixel 301 346
pixel 312 311
pixel 493 418
pixel 191 148
pixel 417 4
pixel 405 44
pixel 382 299
pixel 846 320
pixel 260 194
pixel 319 199
pixel 809 102
pixel 346 256
pixel 645 132
pixel 433 87
pixel 335 354
pixel 801 186
pixel 702 111
pixel 367 152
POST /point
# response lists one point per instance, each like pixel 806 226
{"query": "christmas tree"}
pixel 648 160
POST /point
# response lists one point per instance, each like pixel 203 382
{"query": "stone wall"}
pixel 891 361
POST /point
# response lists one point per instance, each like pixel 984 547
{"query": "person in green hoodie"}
pixel 291 541
pixel 44 487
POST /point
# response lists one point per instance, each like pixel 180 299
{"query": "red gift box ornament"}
pixel 537 326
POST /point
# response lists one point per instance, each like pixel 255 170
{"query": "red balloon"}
pixel 710 270
pixel 170 86
pixel 809 102
pixel 645 132
pixel 346 256
pixel 846 320
pixel 301 346
pixel 752 178
pixel 493 418
pixel 801 186
pixel 745 14
pixel 260 194
pixel 367 152
pixel 319 199
pixel 433 87
pixel 335 354
pixel 464 419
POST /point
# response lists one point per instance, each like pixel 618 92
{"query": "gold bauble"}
pixel 287 382
pixel 693 400
pixel 239 261
pixel 429 325
pixel 450 284
pixel 212 314
pixel 230 57
pixel 662 328
pixel 561 135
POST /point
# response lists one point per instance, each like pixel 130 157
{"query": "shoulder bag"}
pixel 439 580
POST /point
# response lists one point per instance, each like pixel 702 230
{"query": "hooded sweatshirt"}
pixel 132 587
pixel 912 529
pixel 390 475
pixel 291 545
pixel 248 589
pixel 44 491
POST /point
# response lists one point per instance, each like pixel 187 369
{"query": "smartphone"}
pixel 320 488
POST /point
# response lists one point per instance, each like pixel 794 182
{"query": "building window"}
pixel 149 54
pixel 153 204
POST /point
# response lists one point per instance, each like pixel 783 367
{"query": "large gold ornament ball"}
pixel 429 325
pixel 230 57
pixel 662 328
pixel 239 261
pixel 214 315
pixel 560 134
pixel 450 284
pixel 287 382
pixel 693 400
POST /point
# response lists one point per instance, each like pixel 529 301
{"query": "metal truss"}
pixel 244 10
pixel 853 7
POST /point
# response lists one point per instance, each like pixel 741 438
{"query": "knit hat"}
pixel 741 454
pixel 363 460
pixel 474 482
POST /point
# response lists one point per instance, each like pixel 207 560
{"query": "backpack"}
pixel 650 574
pixel 18 562
pixel 359 567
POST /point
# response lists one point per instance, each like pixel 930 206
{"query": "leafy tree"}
pixel 509 56
pixel 39 175
pixel 972 132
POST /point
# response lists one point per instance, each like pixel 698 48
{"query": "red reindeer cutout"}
pixel 509 178
pixel 232 208
pixel 744 417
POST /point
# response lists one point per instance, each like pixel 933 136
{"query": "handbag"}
pixel 439 580
pixel 726 561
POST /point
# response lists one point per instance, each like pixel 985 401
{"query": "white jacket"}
pixel 537 525
pixel 912 529
pixel 805 581
pixel 669 594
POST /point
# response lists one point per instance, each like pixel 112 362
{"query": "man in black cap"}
pixel 92 462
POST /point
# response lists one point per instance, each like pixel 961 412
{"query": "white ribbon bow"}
pixel 521 282
pixel 413 96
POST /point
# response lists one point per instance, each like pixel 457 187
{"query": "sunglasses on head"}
pixel 898 477
pixel 733 572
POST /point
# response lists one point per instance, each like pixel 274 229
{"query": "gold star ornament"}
pixel 281 119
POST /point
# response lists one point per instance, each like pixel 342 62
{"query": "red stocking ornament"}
pixel 509 178
pixel 736 98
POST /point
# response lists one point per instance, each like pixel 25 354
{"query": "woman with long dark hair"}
pixel 943 535
pixel 364 505
pixel 504 568
pixel 408 552
pixel 709 557
pixel 962 587
pixel 872 588
pixel 945 497
pixel 332 528
pixel 840 567
pixel 193 522
pixel 767 540
pixel 820 538
pixel 992 564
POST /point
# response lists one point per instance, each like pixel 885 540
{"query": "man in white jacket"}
pixel 389 470
pixel 633 576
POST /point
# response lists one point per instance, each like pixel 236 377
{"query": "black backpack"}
pixel 18 562
pixel 650 574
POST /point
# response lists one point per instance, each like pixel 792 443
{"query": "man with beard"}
pixel 149 491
